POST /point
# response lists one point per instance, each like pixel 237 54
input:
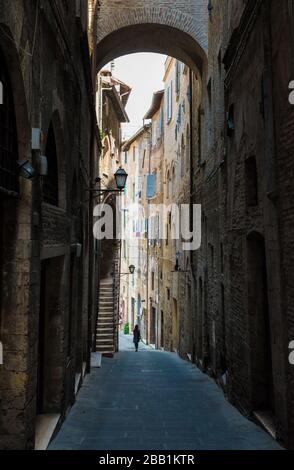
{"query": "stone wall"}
pixel 45 47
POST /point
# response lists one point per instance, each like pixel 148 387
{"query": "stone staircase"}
pixel 105 324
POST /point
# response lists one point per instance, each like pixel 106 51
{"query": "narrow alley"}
pixel 146 195
pixel 154 400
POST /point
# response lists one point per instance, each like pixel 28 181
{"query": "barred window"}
pixel 50 187
pixel 9 174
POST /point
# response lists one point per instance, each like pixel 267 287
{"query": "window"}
pixel 156 180
pixel 210 114
pixel 9 182
pixel 144 157
pixel 174 180
pixel 179 121
pixel 168 293
pixel 169 102
pixel 139 186
pixel 161 122
pixel 168 185
pixel 251 182
pixel 231 121
pixel 134 154
pixel 134 192
pixel 50 186
pixel 152 280
pixel 126 158
pixel 178 77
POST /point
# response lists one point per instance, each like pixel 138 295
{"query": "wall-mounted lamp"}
pixel 131 271
pixel 26 170
pixel 120 180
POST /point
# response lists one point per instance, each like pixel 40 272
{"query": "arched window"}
pixel 9 174
pixel 50 187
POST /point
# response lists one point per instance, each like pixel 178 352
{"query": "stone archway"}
pixel 180 31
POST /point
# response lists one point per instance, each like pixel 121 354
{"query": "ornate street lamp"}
pixel 121 179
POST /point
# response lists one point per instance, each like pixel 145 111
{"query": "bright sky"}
pixel 143 72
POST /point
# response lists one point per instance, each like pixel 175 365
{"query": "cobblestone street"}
pixel 153 400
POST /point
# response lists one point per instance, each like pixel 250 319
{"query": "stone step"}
pixel 105 329
pixel 104 347
pixel 106 343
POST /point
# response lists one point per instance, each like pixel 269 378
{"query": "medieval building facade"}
pixel 47 127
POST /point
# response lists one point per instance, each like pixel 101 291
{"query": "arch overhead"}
pixel 180 32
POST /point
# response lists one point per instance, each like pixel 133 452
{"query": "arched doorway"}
pixel 262 391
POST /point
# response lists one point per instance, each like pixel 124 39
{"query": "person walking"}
pixel 137 337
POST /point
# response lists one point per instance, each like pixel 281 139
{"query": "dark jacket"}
pixel 137 336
